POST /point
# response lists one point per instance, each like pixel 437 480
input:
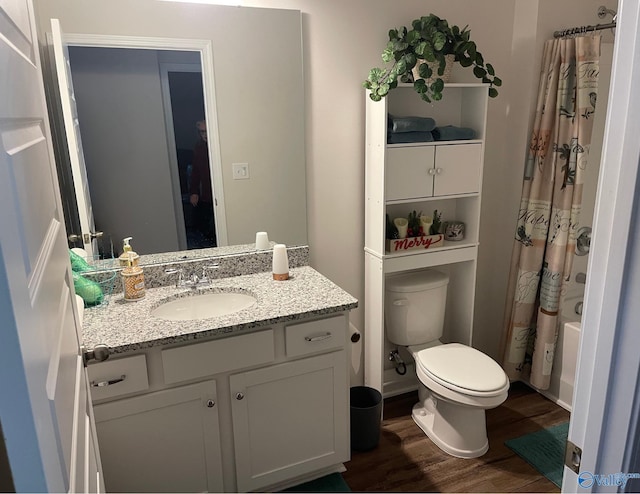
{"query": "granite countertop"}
pixel 128 326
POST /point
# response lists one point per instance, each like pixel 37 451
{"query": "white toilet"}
pixel 457 382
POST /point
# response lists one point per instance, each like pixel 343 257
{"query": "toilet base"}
pixel 458 430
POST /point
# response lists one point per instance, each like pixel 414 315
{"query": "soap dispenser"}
pixel 132 274
pixel 128 256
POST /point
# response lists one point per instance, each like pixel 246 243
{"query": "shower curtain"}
pixel 550 206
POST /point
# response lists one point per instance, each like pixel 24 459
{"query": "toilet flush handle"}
pixel 401 302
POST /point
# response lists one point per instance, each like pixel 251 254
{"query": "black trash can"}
pixel 366 415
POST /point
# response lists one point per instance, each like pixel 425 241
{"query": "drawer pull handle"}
pixel 102 384
pixel 239 396
pixel 211 403
pixel 321 337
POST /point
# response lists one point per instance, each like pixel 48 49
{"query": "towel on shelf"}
pixel 404 137
pixel 453 133
pixel 411 124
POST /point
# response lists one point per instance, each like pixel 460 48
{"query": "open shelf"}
pixel 423 177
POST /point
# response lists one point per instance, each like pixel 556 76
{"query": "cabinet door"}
pixel 409 172
pixel 457 169
pixel 290 419
pixel 166 441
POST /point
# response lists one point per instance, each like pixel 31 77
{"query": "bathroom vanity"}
pixel 253 400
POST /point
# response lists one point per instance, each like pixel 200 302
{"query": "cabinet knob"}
pixel 438 171
pixel 211 403
pixel 239 396
pixel 431 171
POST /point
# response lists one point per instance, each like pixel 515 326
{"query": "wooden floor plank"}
pixel 407 461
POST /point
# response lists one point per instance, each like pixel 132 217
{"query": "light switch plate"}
pixel 240 171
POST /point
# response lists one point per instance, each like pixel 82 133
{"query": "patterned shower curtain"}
pixel 550 206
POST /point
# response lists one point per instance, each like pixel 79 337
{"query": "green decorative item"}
pixel 437 223
pixel 430 39
pixel 89 290
pixel 78 264
pixel 413 230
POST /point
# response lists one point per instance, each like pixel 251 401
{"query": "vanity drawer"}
pixel 217 356
pixel 118 377
pixel 315 336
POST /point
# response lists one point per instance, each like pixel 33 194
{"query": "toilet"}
pixel 457 382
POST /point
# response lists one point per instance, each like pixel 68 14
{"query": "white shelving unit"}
pixel 400 178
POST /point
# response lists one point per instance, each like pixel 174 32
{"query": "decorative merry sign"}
pixel 409 243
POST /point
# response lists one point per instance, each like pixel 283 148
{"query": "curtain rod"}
pixel 583 29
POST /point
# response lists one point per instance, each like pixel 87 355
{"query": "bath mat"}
pixel 329 483
pixel 543 450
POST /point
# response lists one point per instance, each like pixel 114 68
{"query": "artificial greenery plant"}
pixel 429 40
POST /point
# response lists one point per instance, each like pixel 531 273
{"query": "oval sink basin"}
pixel 203 306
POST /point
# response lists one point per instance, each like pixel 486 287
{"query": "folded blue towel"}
pixel 411 124
pixel 453 133
pixel 402 137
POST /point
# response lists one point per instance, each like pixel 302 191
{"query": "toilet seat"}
pixel 462 369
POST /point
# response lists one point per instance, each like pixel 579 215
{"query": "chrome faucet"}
pixel 194 280
pixel 175 271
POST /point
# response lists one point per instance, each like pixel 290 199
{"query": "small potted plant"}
pixel 426 46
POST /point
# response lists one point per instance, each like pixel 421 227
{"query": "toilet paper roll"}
pixel 280 263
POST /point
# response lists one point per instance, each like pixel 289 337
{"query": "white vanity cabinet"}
pixel 423 177
pixel 289 419
pixel 254 411
pixel 167 441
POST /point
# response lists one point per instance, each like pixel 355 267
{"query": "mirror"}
pixel 258 108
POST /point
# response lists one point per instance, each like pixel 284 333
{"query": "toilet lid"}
pixel 459 366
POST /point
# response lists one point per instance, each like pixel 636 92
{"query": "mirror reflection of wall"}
pixel 131 105
pixel 258 95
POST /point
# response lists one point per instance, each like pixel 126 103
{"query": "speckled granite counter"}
pixel 128 326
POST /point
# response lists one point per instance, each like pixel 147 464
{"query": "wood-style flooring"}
pixel 407 461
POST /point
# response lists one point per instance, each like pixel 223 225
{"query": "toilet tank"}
pixel 414 306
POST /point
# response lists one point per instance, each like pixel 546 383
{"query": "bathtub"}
pixel 564 363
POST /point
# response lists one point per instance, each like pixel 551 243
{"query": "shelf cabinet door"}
pixel 290 419
pixel 167 441
pixel 458 169
pixel 409 172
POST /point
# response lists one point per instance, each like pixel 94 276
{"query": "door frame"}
pixel 165 68
pixel 205 48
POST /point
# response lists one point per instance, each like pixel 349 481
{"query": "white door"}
pixel 46 417
pixel 409 172
pixel 458 169
pixel 74 141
